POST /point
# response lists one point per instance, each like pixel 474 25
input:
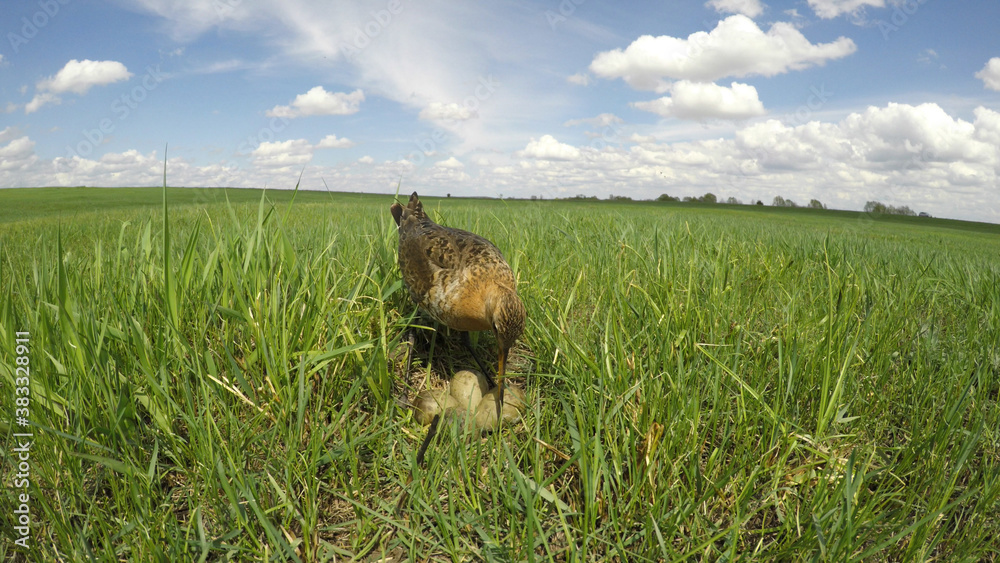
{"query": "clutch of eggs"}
pixel 465 400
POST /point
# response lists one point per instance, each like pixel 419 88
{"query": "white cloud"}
pixel 736 47
pixel 749 8
pixel 438 111
pixel 900 154
pixel 930 57
pixel 700 101
pixel 283 154
pixel 579 79
pixel 449 163
pixel 602 120
pixel 987 125
pixel 828 9
pixel 990 74
pixel 18 154
pixel 332 142
pixel 641 139
pixel 40 100
pixel 80 76
pixel 548 148
pixel 76 77
pixel 317 101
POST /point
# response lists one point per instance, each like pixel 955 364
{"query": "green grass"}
pixel 220 381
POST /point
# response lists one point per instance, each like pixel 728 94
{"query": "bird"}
pixel 459 279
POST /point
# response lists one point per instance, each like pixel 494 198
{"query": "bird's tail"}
pixel 413 207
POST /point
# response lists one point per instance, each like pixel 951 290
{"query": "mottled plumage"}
pixel 459 278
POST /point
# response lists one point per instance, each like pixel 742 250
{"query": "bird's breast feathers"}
pixel 457 300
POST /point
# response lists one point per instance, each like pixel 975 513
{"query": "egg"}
pixel 467 389
pixel 432 402
pixel 486 412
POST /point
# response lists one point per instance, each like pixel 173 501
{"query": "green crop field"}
pixel 222 380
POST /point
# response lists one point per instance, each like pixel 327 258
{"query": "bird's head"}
pixel 508 319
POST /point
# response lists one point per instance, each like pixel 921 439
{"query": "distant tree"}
pixel 666 197
pixel 689 199
pixel 708 198
pixel 875 207
pixel 759 202
pixel 534 197
pixel 816 204
pixel 449 195
pixel 733 201
pixel 778 201
pixel 619 198
pixel 790 203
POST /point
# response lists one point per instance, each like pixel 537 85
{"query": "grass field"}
pixel 222 381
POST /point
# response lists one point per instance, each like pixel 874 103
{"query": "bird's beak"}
pixel 500 375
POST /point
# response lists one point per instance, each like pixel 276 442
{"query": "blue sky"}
pixel 838 100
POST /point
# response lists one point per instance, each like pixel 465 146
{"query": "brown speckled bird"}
pixel 460 279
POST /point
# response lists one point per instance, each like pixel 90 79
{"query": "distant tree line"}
pixel 782 202
pixel 882 209
pixel 778 201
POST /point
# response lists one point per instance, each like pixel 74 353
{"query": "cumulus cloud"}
pixel 736 47
pixel 80 76
pixel 749 8
pixel 449 163
pixel 548 148
pixel 916 155
pixel 317 101
pixel 700 101
pixel 332 142
pixel 283 154
pixel 438 111
pixel 76 77
pixel 18 154
pixel 828 9
pixel 990 74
